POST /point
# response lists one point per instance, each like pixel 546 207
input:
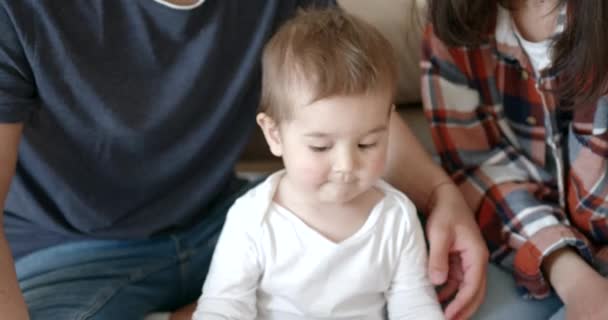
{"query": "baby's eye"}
pixel 367 145
pixel 318 148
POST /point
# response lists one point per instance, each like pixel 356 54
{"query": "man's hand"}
pixel 458 256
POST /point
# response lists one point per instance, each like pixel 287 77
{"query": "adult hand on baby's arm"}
pixel 458 256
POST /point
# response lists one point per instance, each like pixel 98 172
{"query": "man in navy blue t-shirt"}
pixel 120 124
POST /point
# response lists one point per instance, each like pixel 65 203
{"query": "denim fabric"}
pixel 114 279
pixel 560 315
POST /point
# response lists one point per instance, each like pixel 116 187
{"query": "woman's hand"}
pixel 582 289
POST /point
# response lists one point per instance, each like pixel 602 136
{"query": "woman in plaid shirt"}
pixel 515 93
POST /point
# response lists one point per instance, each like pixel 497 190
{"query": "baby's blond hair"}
pixel 320 53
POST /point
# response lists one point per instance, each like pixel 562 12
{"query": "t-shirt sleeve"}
pixel 17 90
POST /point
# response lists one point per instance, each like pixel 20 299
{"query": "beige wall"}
pixel 401 22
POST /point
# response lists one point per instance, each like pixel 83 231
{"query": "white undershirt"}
pixel 270 265
pixel 538 53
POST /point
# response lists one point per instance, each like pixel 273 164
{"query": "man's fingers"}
pixel 440 242
pixel 471 291
pixel 474 305
pixel 447 290
pixel 456 268
pixel 455 278
pixel 462 299
pixel 470 309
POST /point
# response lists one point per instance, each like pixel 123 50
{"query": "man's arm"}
pixel 12 305
pixel 408 163
pixel 458 256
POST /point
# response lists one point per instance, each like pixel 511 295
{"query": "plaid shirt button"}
pixel 531 120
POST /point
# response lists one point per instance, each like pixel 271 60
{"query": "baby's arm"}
pixel 230 288
pixel 411 295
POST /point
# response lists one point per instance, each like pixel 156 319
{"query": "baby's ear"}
pixel 271 132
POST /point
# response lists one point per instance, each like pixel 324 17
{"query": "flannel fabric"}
pixel 535 174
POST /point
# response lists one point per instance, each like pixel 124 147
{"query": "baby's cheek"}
pixel 312 175
pixel 378 165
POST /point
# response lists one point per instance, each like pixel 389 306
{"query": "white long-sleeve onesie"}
pixel 269 264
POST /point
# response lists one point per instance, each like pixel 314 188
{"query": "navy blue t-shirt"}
pixel 134 112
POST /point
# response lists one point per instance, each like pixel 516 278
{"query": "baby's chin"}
pixel 339 197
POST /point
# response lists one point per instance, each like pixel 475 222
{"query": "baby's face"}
pixel 334 149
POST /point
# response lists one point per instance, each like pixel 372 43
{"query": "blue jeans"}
pixel 118 279
pixel 502 301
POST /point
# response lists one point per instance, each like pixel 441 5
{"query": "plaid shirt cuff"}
pixel 527 265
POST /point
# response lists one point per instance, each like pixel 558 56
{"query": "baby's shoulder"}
pixel 394 198
pixel 251 208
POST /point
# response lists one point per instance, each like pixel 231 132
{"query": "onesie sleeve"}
pixel 230 288
pixel 411 294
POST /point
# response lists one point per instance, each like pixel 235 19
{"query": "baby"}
pixel 325 238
